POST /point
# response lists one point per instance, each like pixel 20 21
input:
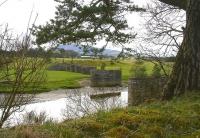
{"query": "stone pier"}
pixel 72 68
pixel 105 78
pixel 142 89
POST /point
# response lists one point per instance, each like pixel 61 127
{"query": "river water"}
pixel 59 105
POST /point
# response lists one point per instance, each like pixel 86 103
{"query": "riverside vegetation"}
pixel 179 117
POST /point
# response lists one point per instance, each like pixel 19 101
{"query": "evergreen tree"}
pixel 86 22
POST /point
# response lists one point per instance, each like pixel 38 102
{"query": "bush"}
pixel 112 62
pixel 139 70
pixel 103 66
pixel 156 72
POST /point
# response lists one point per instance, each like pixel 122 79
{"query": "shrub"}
pixel 139 70
pixel 103 66
pixel 156 72
pixel 112 62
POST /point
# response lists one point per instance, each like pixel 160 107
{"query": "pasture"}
pixel 65 80
pixel 124 65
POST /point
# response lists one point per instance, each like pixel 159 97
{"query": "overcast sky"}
pixel 16 13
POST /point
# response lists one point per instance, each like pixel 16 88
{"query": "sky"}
pixel 16 13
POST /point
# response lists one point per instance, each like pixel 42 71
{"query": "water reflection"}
pixel 81 104
pixel 75 103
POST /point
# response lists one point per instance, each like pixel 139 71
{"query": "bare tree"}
pixel 164 33
pixel 3 2
pixel 18 73
pixel 165 25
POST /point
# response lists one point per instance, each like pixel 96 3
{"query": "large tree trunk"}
pixel 185 73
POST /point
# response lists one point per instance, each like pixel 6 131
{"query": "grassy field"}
pixel 54 80
pixel 64 80
pixel 178 118
pixel 124 65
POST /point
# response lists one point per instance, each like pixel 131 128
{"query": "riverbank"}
pixel 55 80
pixel 179 117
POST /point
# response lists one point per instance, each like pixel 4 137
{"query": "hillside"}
pixel 106 52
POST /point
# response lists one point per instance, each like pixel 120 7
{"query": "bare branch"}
pixel 3 2
pixel 177 3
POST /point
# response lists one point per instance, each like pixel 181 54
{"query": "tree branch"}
pixel 182 4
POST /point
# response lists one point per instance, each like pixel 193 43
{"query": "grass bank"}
pixel 54 80
pixel 62 80
pixel 178 118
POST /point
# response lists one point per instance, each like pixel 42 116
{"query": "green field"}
pixel 124 65
pixel 64 79
pixel 178 118
pixel 54 80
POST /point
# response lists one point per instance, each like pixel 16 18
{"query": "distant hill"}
pixel 106 52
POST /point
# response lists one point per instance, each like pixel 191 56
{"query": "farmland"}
pixel 64 80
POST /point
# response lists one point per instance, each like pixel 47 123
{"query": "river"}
pixel 59 105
